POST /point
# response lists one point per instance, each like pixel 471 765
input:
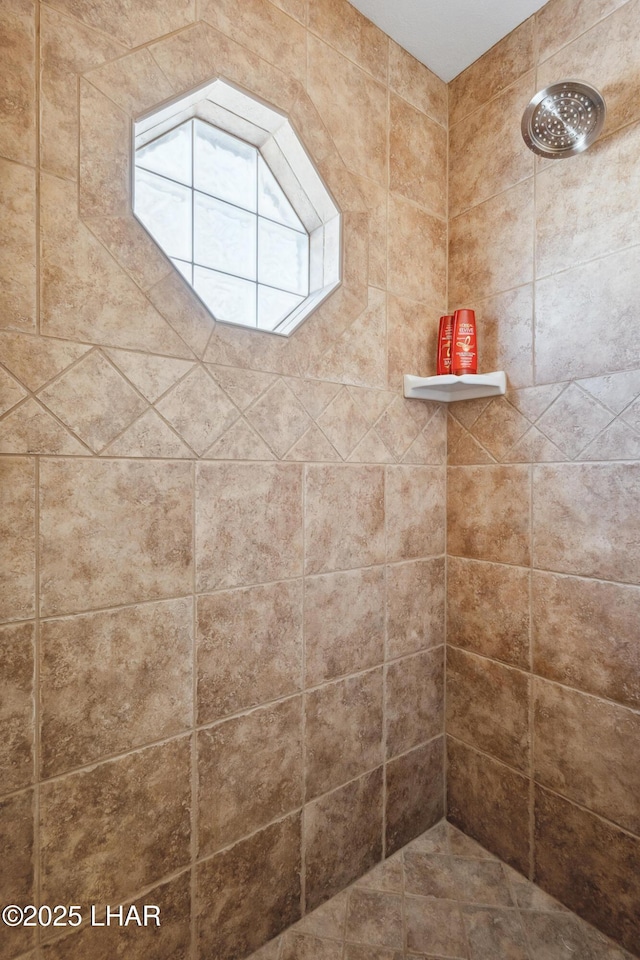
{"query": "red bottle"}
pixel 464 353
pixel 445 339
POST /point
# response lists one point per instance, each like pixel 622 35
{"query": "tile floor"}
pixel 443 896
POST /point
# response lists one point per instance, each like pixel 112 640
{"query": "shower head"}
pixel 563 119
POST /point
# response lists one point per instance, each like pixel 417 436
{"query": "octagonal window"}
pixel 227 191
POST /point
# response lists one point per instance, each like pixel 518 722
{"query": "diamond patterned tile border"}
pixel 443 897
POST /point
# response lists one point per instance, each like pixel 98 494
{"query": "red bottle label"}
pixel 445 341
pixel 465 346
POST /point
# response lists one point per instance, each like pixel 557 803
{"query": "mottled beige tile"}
pixel 174 299
pixel 488 610
pixel 416 253
pixel 36 360
pixel 498 527
pixel 344 520
pixel 133 248
pixel 417 157
pixel 198 410
pixel 252 349
pixel 584 635
pixel 499 158
pixel 18 60
pixel 10 392
pixel 588 864
pixel 67 47
pixel 17 878
pixel 397 428
pixel 375 918
pixel 412 340
pixel 260 27
pixel 488 707
pixel 434 926
pixel 588 295
pixel 497 69
pixel 297 946
pixel 249 893
pixel 252 766
pixel 485 260
pixel 375 198
pixel 113 829
pixel 415 606
pixel 414 700
pixel 343 731
pixel 494 933
pixel 617 442
pixel 314 395
pixel 588 212
pixel 582 747
pixel 150 437
pixel 85 295
pixel 30 428
pixel 585 521
pixel 17 712
pixel 417 84
pixel 344 623
pixel 131 23
pixel 343 424
pixel 430 446
pixel 242 386
pixel 343 837
pixel 505 335
pixel 361 133
pixel 387 877
pixel 313 445
pixel 249 647
pixel 559 22
pixel 357 356
pixel 574 420
pixel 135 83
pixel 345 28
pixel 279 418
pixel 489 802
pixel 152 375
pixel 415 785
pixel 104 188
pixel 17 538
pixel 93 555
pixel 249 523
pixel 187 58
pixel 101 694
pixel 499 427
pixel 608 55
pixel 94 401
pixel 415 512
pixel 18 247
pixel 171 941
pixel 328 920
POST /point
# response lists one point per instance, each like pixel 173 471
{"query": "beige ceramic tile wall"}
pixel 222 552
pixel 543 578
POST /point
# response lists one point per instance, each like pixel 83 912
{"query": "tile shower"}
pixel 222 577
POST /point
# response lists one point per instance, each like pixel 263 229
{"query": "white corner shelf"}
pixel 447 388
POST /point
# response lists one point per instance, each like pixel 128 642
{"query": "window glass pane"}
pixel 272 201
pixel 225 237
pixel 169 155
pixel 164 208
pixel 283 257
pixel 229 298
pixel 274 306
pixel 225 167
pixel 186 269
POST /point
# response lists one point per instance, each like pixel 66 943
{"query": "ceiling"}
pixel 447 35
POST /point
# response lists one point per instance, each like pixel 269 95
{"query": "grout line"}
pixel 303 683
pixel 37 704
pixel 531 723
pixel 194 736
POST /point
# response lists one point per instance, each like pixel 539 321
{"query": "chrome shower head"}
pixel 563 119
